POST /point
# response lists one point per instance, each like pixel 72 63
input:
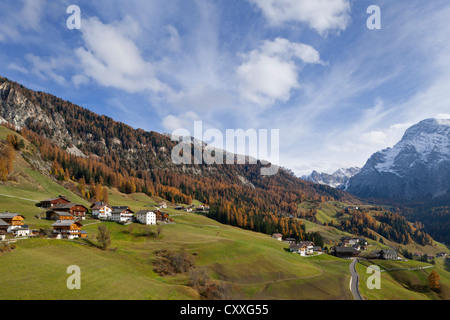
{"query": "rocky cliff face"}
pixel 20 111
pixel 417 167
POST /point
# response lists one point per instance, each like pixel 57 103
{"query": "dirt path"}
pixel 5 195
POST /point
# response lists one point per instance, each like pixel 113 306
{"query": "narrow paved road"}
pixel 354 281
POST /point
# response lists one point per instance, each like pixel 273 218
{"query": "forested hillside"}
pixel 91 150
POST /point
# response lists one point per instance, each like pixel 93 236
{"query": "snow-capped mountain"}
pixel 339 179
pixel 416 167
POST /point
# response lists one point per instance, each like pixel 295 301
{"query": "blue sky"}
pixel 336 90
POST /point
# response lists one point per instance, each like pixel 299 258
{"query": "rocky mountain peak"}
pixel 417 166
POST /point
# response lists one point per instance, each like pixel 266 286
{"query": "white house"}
pixel 101 210
pixel 21 231
pixel 162 204
pixel 303 248
pixel 121 214
pixel 278 236
pixel 146 217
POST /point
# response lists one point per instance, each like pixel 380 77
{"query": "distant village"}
pixel 68 217
pixel 348 247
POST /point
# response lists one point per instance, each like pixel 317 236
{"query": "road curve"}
pixel 354 281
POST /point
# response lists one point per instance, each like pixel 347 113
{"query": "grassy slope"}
pixel 404 284
pixel 256 265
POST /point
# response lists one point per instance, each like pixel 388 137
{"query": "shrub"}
pixel 169 262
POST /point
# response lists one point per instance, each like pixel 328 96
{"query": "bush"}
pixel 207 288
pixel 169 262
pixel 6 247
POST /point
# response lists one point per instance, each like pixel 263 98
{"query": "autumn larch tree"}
pixel 434 281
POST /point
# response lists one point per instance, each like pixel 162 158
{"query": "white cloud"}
pixel 47 69
pixel 32 13
pixel 16 67
pixel 113 59
pixel 443 116
pixel 28 18
pixel 183 121
pixel 174 42
pixel 270 72
pixel 320 15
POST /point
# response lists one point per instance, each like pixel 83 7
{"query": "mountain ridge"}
pixel 91 149
pixel 338 179
pixel 416 167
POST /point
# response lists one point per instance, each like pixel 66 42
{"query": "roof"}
pixel 389 251
pixel 344 249
pixel 119 211
pixel 299 245
pixel 100 204
pixel 145 212
pixel 10 215
pixel 62 213
pixel 67 206
pixel 52 199
pixel 3 223
pixel 66 223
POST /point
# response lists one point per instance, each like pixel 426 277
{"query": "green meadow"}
pixel 399 283
pixel 255 265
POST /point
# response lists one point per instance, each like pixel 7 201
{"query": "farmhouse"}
pixel 303 248
pixel 60 215
pixel 122 214
pixel 290 240
pixel 13 223
pixel 162 216
pixel 68 229
pixel 12 219
pixel 344 252
pixel 101 210
pixel 77 210
pixel 278 236
pixel 162 204
pixel 386 254
pixel 146 217
pixel 50 203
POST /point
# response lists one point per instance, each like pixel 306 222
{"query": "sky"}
pixel 336 90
